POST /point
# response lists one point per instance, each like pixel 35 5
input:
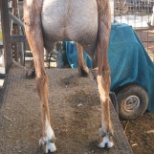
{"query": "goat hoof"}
pixel 84 71
pixel 48 146
pixel 106 142
pixel 30 73
pixel 106 139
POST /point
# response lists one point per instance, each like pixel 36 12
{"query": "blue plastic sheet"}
pixel 128 60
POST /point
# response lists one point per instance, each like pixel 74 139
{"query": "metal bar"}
pixel 6 33
pixel 18 38
pixel 19 42
pixel 151 47
pixel 147 40
pixel 16 20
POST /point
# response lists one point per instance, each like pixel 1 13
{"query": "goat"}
pixel 87 22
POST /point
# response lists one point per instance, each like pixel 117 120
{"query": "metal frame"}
pixel 6 33
pixel 7 38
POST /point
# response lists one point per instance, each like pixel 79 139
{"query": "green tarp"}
pixel 128 60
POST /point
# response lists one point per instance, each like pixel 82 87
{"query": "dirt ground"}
pixel 20 125
pixel 75 115
pixel 140 132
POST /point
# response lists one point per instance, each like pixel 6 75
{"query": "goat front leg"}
pixel 83 69
pixel 103 76
pixel 32 9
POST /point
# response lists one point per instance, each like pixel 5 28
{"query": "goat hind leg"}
pixel 106 130
pixel 35 39
pixel 103 75
pixel 83 69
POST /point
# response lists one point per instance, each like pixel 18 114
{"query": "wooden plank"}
pixel 75 113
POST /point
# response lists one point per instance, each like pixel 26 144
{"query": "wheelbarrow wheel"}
pixel 132 101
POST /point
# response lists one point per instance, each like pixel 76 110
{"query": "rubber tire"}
pixel 127 91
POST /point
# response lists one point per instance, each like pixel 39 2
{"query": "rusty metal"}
pixel 152 47
pixel 14 45
pixel 147 41
pixel 8 39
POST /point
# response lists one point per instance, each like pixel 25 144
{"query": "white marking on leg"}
pixel 47 140
pixel 106 141
pixel 103 99
pixel 101 89
pixel 49 131
pixel 50 147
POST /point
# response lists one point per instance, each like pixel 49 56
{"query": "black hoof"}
pixel 30 73
pixel 83 72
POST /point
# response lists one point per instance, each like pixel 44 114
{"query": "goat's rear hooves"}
pixel 106 142
pixel 30 73
pixel 50 147
pixel 84 71
pixel 47 146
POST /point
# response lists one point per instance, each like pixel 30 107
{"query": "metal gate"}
pixel 140 15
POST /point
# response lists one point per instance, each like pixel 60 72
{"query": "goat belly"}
pixel 75 20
